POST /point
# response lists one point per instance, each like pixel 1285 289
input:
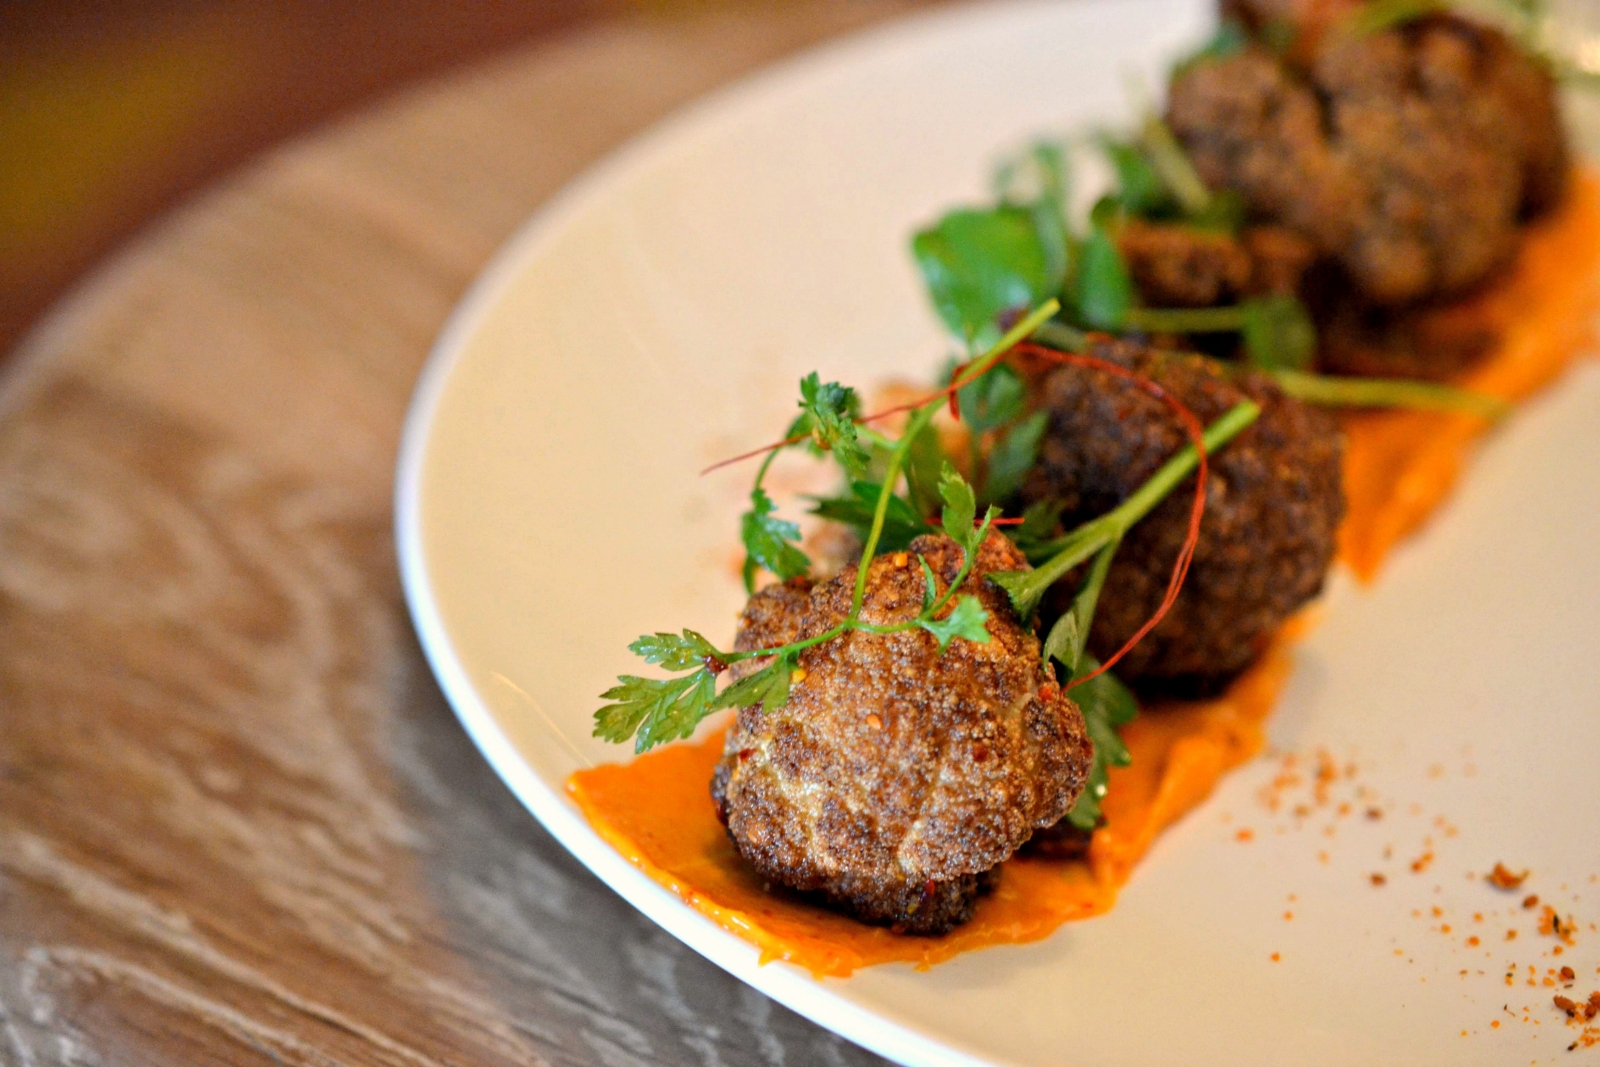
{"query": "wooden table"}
pixel 238 823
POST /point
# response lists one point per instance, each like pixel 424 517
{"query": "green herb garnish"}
pixel 1388 393
pixel 1055 558
pixel 1278 333
pixel 979 265
pixel 653 711
pixel 1107 705
pixel 1104 291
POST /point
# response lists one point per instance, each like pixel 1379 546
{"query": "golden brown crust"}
pixel 1182 266
pixel 894 776
pixel 1273 504
pixel 1436 341
pixel 1176 265
pixel 1408 156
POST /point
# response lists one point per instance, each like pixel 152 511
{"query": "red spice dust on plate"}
pixel 1502 878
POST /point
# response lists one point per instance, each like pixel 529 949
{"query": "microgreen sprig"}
pixel 1322 389
pixel 656 710
pixel 1061 555
pixel 1388 393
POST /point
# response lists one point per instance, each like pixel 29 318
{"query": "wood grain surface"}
pixel 238 824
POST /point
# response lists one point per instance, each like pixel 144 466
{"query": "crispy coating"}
pixel 1174 265
pixel 894 777
pixel 1434 341
pixel 1407 156
pixel 1273 502
pixel 1181 266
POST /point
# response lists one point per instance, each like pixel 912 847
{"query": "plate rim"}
pixel 880 1030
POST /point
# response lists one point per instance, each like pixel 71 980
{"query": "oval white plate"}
pixel 657 316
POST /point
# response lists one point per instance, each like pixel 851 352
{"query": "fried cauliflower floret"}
pixel 1273 503
pixel 895 778
pixel 1437 340
pixel 1407 156
pixel 1174 265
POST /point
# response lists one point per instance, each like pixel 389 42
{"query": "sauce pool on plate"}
pixel 1399 466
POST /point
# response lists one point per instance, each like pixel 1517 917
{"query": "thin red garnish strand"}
pixel 754 452
pixel 955 394
pixel 1191 426
pixel 948 391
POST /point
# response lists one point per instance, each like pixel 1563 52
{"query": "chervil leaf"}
pixel 1068 636
pixel 1106 705
pixel 901 522
pixel 1140 190
pixel 1013 456
pixel 1039 524
pixel 1224 211
pixel 980 264
pixel 673 651
pixel 930 586
pixel 1039 174
pixel 967 620
pixel 1279 333
pixel 925 462
pixel 960 507
pixel 656 709
pixel 768 687
pixel 833 409
pixel 991 400
pixel 769 542
pixel 1105 292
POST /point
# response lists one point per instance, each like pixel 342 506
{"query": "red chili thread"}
pixel 1191 426
pixel 955 394
pixel 948 391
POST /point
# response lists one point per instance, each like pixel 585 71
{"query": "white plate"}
pixel 657 315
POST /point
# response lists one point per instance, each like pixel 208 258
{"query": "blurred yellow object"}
pixel 77 129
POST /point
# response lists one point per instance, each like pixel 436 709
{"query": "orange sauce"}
pixel 1400 465
pixel 657 810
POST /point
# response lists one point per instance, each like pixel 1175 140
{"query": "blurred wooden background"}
pixel 238 823
pixel 113 110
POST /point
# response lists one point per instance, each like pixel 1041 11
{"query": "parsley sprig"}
pixel 652 711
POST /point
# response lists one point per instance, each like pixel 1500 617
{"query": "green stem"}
pixel 1388 393
pixel 793 646
pixel 878 440
pixel 967 563
pixel 1024 329
pixel 1152 492
pixel 1172 163
pixel 1185 320
pixel 761 472
pixel 1164 480
pixel 1060 335
pixel 1028 587
pixel 918 422
pixel 1065 553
